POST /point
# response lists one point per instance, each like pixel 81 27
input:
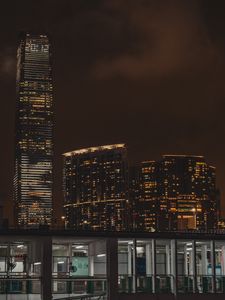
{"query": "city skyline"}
pixel 109 90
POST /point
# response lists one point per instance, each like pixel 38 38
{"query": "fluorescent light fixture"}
pixel 100 255
pixel 60 262
pixel 79 247
pixel 37 263
pixel 125 242
pixel 20 246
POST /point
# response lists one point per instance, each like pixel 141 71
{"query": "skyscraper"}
pixel 34 131
pixel 96 188
pixel 148 206
pixel 178 193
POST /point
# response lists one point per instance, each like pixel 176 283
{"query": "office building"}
pixel 178 193
pixel 148 206
pixel 34 132
pixel 96 188
pixel 134 197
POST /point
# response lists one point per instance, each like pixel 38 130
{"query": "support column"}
pixel 91 266
pixel 130 271
pixel 174 266
pixel 153 266
pixel 134 266
pixel 149 266
pixel 186 270
pixel 213 263
pixel 46 268
pixel 168 267
pixel 112 268
pixel 195 288
pixel 204 260
pixel 223 260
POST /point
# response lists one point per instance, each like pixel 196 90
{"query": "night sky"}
pixel 147 73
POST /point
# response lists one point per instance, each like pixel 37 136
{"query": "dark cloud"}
pixel 170 38
pixel 7 64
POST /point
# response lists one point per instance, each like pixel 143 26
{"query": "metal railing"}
pixel 20 285
pixel 101 296
pixel 147 284
pixel 79 286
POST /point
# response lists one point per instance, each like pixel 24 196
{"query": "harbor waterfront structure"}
pixel 34 132
pixel 62 264
pixel 178 192
pixel 96 188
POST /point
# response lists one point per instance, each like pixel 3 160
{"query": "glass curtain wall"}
pixel 171 266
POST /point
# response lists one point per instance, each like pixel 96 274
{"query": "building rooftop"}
pixel 94 149
pixel 183 156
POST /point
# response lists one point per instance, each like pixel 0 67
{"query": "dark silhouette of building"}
pixel 34 131
pixel 178 193
pixel 96 188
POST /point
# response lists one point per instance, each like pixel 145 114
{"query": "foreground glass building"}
pixel 34 132
pixel 47 265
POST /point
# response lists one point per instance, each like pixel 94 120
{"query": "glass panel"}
pixel 16 286
pixel 60 250
pixel 144 265
pixel 126 266
pixel 185 266
pixel 82 270
pixel 3 265
pixel 204 267
pixel 60 265
pixel 163 266
pixel 17 264
pixel 220 266
pixel 17 269
pixel 73 287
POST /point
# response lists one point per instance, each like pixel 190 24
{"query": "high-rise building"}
pixel 96 188
pixel 148 200
pixel 34 132
pixel 134 196
pixel 178 193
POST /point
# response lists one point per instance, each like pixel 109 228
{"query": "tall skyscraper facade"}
pixel 178 193
pixel 148 200
pixel 34 131
pixel 96 188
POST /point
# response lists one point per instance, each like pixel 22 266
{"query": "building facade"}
pixel 96 187
pixel 178 193
pixel 34 132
